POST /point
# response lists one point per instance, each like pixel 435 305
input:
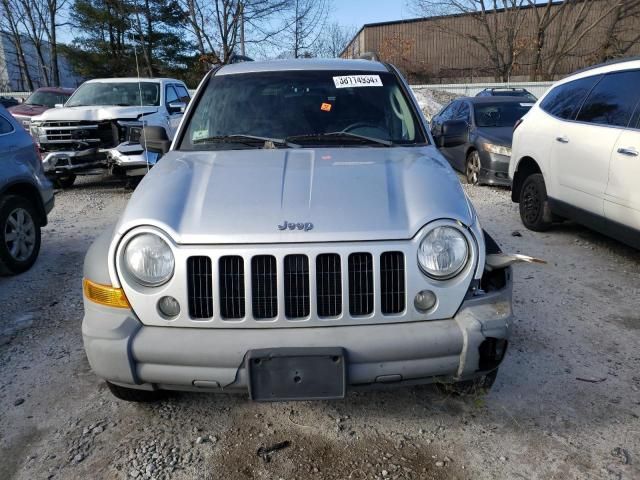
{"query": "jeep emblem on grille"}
pixel 296 226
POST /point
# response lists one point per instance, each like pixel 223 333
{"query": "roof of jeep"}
pixel 337 64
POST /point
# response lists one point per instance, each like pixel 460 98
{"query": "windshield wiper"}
pixel 251 140
pixel 340 136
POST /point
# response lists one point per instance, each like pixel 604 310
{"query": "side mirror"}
pixel 58 105
pixel 154 139
pixel 176 107
pixel 454 133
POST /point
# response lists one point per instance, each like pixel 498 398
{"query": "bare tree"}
pixel 33 28
pixel 49 13
pixel 216 24
pixel 622 31
pixel 9 20
pixel 497 31
pixel 306 24
pixel 334 39
pixel 565 34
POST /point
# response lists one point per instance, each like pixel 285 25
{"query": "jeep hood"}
pixel 94 113
pixel 348 194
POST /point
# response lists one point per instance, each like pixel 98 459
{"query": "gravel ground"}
pixel 565 405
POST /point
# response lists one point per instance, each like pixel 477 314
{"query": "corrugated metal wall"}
pixel 440 49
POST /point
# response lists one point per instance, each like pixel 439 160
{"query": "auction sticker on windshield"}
pixel 350 81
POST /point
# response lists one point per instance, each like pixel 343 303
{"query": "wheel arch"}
pixel 525 167
pixel 31 193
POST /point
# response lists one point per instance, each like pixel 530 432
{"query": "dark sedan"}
pixel 474 134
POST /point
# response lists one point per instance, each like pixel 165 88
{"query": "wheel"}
pixel 19 234
pixel 133 395
pixel 534 204
pixel 472 168
pixel 481 384
pixel 65 181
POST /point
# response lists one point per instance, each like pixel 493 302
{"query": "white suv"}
pixel 576 153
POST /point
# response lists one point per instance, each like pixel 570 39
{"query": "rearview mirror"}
pixel 155 139
pixel 454 133
pixel 176 107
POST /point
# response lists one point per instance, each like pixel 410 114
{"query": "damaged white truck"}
pixel 98 129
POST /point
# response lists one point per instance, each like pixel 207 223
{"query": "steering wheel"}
pixel 359 125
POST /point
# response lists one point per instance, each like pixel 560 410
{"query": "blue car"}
pixel 26 197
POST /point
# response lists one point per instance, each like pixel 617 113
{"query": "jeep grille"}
pixel 294 287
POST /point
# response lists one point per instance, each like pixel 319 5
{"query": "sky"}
pixel 358 12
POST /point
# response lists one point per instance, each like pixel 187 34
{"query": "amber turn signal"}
pixel 104 294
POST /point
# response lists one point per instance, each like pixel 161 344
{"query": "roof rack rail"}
pixel 368 56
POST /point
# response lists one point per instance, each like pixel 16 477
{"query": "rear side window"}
pixel 613 100
pixel 565 100
pixel 5 126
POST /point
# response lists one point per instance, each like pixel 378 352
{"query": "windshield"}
pixel 500 114
pixel 305 108
pixel 47 99
pixel 117 93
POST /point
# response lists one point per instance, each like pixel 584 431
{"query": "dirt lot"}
pixel 566 403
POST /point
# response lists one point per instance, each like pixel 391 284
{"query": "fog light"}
pixel 425 300
pixel 169 307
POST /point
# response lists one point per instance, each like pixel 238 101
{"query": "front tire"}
pixel 19 234
pixel 534 204
pixel 134 395
pixel 472 168
pixel 65 181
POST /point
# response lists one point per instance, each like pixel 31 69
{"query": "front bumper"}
pixel 123 351
pixel 494 169
pixel 126 158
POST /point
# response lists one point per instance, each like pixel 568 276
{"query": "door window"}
pixel 447 113
pixel 565 100
pixel 183 94
pixel 463 112
pixel 612 101
pixel 171 95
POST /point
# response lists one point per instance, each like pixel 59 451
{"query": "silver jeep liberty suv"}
pixel 301 236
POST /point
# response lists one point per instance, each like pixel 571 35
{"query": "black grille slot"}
pixel 329 285
pixel 360 284
pixel 231 282
pixel 200 287
pixel 392 282
pixel 265 287
pixel 296 286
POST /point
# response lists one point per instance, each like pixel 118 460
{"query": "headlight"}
pixel 149 259
pixel 497 149
pixel 443 252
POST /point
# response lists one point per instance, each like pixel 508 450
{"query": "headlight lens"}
pixel 497 149
pixel 443 252
pixel 149 259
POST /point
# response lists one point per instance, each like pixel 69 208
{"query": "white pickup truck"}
pixel 98 129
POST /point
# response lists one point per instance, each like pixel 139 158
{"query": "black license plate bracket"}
pixel 286 374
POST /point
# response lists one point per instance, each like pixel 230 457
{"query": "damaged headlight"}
pixel 149 259
pixel 443 252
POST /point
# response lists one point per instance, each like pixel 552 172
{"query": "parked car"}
pixel 38 102
pixel 98 129
pixel 7 102
pixel 576 154
pixel 474 134
pixel 301 237
pixel 26 197
pixel 507 92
